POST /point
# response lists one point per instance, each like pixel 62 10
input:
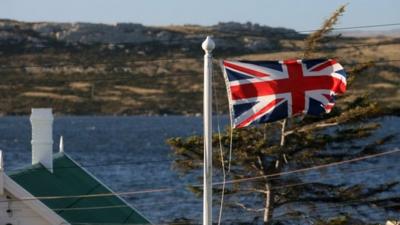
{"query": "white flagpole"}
pixel 208 46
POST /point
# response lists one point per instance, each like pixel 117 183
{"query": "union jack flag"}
pixel 267 91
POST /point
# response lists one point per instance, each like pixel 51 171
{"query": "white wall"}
pixel 20 213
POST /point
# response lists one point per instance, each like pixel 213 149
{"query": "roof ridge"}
pixel 35 166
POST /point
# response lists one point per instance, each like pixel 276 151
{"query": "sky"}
pixel 295 14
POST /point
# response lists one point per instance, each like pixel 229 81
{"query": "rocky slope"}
pixel 229 36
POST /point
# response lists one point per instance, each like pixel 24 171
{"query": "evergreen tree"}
pixel 301 142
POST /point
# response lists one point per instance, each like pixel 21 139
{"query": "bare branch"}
pixel 247 208
pixel 255 190
pixel 307 128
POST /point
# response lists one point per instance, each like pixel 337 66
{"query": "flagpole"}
pixel 208 46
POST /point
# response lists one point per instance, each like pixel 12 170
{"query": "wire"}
pixel 108 164
pixel 220 145
pixel 277 217
pixel 314 180
pixel 91 208
pixel 158 203
pixel 376 62
pixel 351 202
pixel 331 209
pixel 309 168
pixel 170 189
pixel 250 191
pixel 361 63
pixel 126 206
pixel 355 27
pixel 112 164
pixel 225 80
pixel 146 180
pixel 356 46
pixel 130 77
pixel 325 178
pixel 308 176
pixel 111 223
pixel 132 63
pixel 221 155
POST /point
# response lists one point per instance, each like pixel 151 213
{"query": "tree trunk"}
pixel 268 209
pixel 283 135
pixel 268 203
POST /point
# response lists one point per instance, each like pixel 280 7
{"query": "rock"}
pixel 257 43
pixel 254 29
pixel 231 36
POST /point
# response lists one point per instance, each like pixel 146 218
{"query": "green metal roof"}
pixel 69 179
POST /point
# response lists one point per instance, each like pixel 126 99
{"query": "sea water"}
pixel 130 154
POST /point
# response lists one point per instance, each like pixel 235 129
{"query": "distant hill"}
pixel 127 69
pixel 229 36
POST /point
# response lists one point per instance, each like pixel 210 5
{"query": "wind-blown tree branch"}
pixel 259 152
pixel 326 28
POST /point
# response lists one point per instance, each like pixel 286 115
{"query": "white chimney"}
pixel 42 137
pixel 61 146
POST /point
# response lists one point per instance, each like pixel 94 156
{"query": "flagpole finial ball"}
pixel 208 44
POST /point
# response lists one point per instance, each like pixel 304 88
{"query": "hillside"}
pixel 127 69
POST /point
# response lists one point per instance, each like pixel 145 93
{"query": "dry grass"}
pixel 137 90
pixel 71 98
pixel 80 86
pixel 110 93
pixel 380 86
pixel 175 86
pixel 45 88
pixel 107 98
